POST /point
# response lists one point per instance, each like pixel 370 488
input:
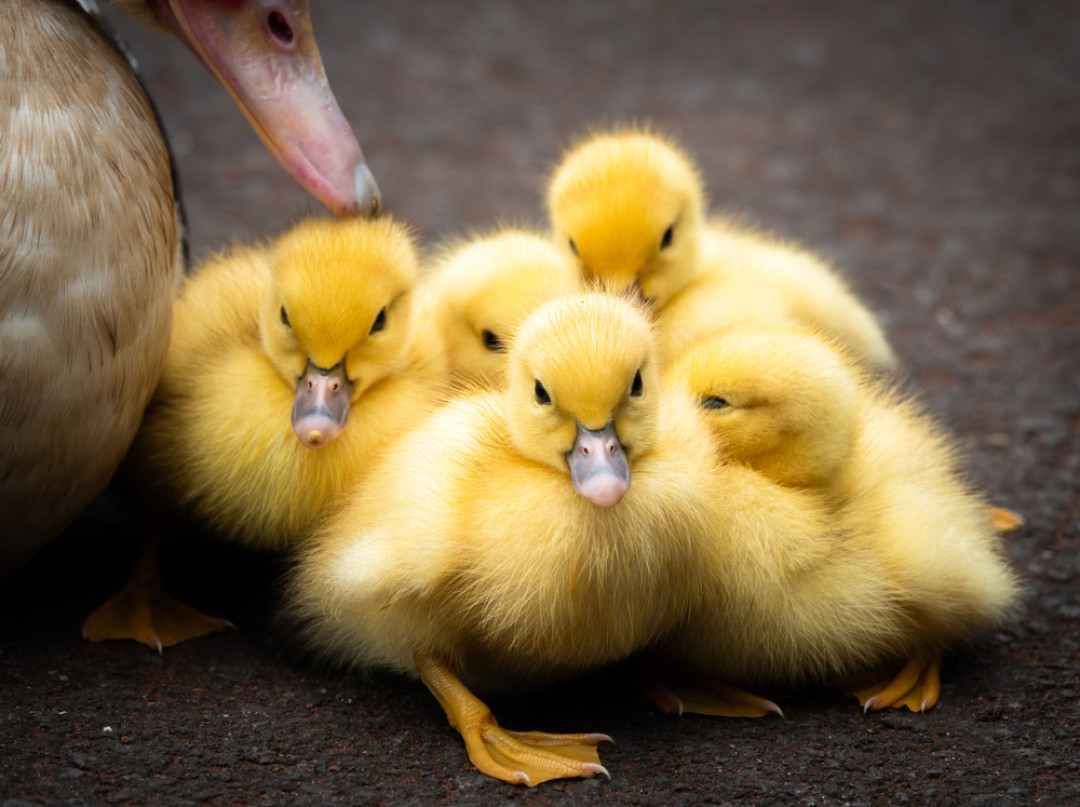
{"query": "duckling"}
pixel 629 205
pixel 869 548
pixel 785 401
pixel 91 244
pixel 287 374
pixel 480 291
pixel 550 532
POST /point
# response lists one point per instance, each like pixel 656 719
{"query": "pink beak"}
pixel 598 466
pixel 321 407
pixel 264 53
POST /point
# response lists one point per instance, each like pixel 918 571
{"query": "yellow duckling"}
pixel 481 290
pixel 630 206
pixel 869 546
pixel 274 352
pixel 784 401
pixel 551 531
pixel 288 371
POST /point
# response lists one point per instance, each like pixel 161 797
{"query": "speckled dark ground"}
pixel 931 149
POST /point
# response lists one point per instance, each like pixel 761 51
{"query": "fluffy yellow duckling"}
pixel 549 532
pixel 481 290
pixel 784 401
pixel 630 206
pixel 288 371
pixel 870 547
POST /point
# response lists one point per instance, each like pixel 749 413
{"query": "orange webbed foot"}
pixel 707 698
pixel 142 610
pixel 518 757
pixel 1006 520
pixel 917 685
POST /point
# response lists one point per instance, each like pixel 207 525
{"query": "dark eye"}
pixel 635 388
pixel 573 246
pixel 669 233
pixel 492 342
pixel 713 402
pixel 279 28
pixel 542 396
pixel 285 318
pixel 379 323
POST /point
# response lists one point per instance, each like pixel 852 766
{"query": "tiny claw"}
pixel 871 703
pixel 772 707
pixel 599 738
pixel 592 766
pixel 523 778
pixel 156 641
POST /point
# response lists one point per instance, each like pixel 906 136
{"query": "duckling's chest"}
pixel 560 584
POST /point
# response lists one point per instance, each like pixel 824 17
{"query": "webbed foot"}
pixel 518 757
pixel 917 686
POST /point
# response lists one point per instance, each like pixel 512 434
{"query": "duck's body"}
pixel 871 547
pixel 480 290
pixel 493 564
pixel 89 244
pixel 218 437
pixel 85 309
pixel 629 206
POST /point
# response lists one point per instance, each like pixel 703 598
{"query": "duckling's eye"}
pixel 573 246
pixel 285 318
pixel 542 396
pixel 380 322
pixel 492 342
pixel 635 388
pixel 713 402
pixel 669 233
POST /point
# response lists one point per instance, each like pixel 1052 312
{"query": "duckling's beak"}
pixel 321 407
pixel 264 53
pixel 598 466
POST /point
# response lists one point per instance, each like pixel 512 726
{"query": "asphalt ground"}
pixel 931 150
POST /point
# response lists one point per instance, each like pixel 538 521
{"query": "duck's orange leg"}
pixel 142 610
pixel 711 698
pixel 518 757
pixel 917 686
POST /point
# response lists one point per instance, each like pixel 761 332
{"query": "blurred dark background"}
pixel 931 150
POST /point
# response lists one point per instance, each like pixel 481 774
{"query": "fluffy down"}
pixel 481 290
pixel 487 563
pixel 629 206
pixel 866 545
pixel 249 326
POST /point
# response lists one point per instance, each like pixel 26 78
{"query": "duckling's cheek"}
pixel 598 466
pixel 321 407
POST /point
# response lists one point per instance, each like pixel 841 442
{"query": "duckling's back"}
pixel 908 495
pixel 750 278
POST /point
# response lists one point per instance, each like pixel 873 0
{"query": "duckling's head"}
pixel 783 401
pixel 486 288
pixel 336 316
pixel 629 206
pixel 582 391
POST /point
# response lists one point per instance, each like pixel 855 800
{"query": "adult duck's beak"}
pixel 264 53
